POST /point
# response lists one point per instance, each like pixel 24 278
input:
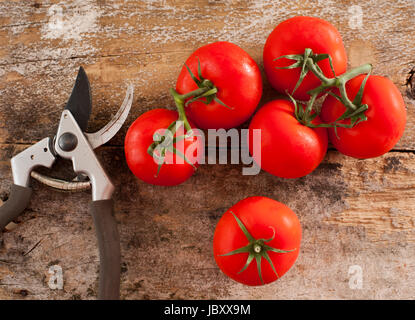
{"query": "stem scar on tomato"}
pixel 256 249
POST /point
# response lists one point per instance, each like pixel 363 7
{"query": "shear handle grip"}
pixel 102 212
pixel 19 199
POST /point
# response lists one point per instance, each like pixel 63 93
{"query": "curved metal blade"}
pixel 106 133
pixel 79 103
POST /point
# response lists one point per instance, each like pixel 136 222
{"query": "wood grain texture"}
pixel 353 212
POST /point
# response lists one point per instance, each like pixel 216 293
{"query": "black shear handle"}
pixel 102 212
pixel 19 199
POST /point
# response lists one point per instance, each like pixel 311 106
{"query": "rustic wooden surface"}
pixel 352 212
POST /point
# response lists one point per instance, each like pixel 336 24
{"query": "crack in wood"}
pixel 33 248
pixel 23 24
pixel 93 57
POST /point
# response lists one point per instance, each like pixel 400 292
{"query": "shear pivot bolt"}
pixel 68 141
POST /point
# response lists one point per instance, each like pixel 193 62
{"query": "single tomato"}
pixel 235 75
pixel 293 36
pixel 288 149
pixel 139 137
pixel 257 241
pixel 385 124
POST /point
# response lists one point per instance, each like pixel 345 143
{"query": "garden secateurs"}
pixel 73 143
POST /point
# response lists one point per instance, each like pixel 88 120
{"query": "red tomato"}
pixel 385 124
pixel 237 78
pixel 293 36
pixel 288 148
pixel 140 136
pixel 263 218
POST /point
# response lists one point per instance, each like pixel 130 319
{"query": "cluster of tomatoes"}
pixel 291 149
pixel 220 86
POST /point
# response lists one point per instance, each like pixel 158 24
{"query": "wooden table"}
pixel 353 213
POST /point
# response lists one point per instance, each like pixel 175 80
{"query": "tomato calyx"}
pixel 257 249
pixel 209 94
pixel 163 143
pixel 355 110
pixel 308 62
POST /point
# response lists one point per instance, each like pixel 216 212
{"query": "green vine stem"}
pixel 171 130
pixel 206 93
pixel 179 100
pixel 309 62
pixel 338 82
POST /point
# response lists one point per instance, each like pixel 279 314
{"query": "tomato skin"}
pixel 237 77
pixel 140 136
pixel 383 128
pixel 258 214
pixel 293 36
pixel 288 148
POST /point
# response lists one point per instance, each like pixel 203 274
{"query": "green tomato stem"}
pixel 309 62
pixel 179 100
pixel 256 249
pixel 312 66
pixel 194 93
pixel 338 82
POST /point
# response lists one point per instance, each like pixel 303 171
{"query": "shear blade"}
pixel 107 132
pixel 79 103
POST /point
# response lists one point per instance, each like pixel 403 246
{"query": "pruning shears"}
pixel 73 143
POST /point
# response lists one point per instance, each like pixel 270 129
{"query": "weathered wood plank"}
pixel 352 212
pixel 146 42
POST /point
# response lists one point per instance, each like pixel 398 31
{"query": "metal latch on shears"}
pixel 71 142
